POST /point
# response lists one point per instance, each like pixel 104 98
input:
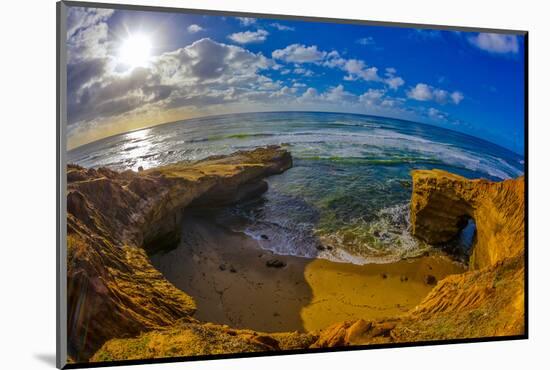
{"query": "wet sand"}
pixel 226 273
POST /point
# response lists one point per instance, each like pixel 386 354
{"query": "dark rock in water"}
pixel 275 263
pixel 384 275
pixel 403 278
pixel 140 168
pixel 264 237
pixel 376 233
pixel 232 269
pixel 320 247
pixel 430 280
pixel 222 267
pixel 329 247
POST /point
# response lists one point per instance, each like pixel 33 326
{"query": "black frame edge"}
pixel 289 352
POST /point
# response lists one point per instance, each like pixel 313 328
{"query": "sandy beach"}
pixel 227 275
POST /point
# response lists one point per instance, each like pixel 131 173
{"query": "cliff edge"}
pixel 114 218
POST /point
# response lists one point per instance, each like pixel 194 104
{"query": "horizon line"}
pixel 299 111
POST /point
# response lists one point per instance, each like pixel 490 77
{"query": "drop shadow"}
pixel 46 358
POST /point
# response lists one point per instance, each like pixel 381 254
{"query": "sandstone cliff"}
pixel 196 339
pixel 486 301
pixel 441 202
pixel 113 218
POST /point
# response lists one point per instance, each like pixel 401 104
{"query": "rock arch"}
pixel 441 200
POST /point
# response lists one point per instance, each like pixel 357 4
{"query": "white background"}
pixel 27 182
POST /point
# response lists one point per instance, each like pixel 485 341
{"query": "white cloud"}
pixel 207 74
pixel 421 92
pixel 248 37
pixel 357 69
pixel 338 94
pixel 333 95
pixel 394 82
pixel 282 27
pixel 457 97
pixel 372 96
pixel 303 71
pixel 377 99
pixel 373 101
pixel 334 60
pixel 87 34
pixel 310 93
pixel 244 21
pixel 440 95
pixel 82 18
pixel 194 28
pixel 437 115
pixel 365 41
pixel 496 43
pixel 201 74
pixel 298 53
pixel 425 92
pixel 285 91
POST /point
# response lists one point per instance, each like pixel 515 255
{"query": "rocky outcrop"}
pixel 442 203
pixel 121 307
pixel 113 218
pixel 195 339
pixel 486 301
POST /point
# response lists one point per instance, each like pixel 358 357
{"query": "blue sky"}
pixel 130 69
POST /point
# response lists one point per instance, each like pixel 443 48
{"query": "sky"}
pixel 129 69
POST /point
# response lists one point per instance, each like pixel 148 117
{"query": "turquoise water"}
pixel 349 187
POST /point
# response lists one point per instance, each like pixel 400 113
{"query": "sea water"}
pixel 346 198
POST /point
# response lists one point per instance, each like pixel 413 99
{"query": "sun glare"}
pixel 135 51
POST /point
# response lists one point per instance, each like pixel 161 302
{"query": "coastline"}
pixel 221 294
pixel 226 274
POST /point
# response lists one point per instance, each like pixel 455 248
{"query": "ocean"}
pixel 347 196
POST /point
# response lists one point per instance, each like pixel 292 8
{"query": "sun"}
pixel 135 50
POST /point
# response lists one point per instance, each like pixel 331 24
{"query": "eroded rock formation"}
pixel 121 307
pixel 113 290
pixel 195 339
pixel 486 301
pixel 441 202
